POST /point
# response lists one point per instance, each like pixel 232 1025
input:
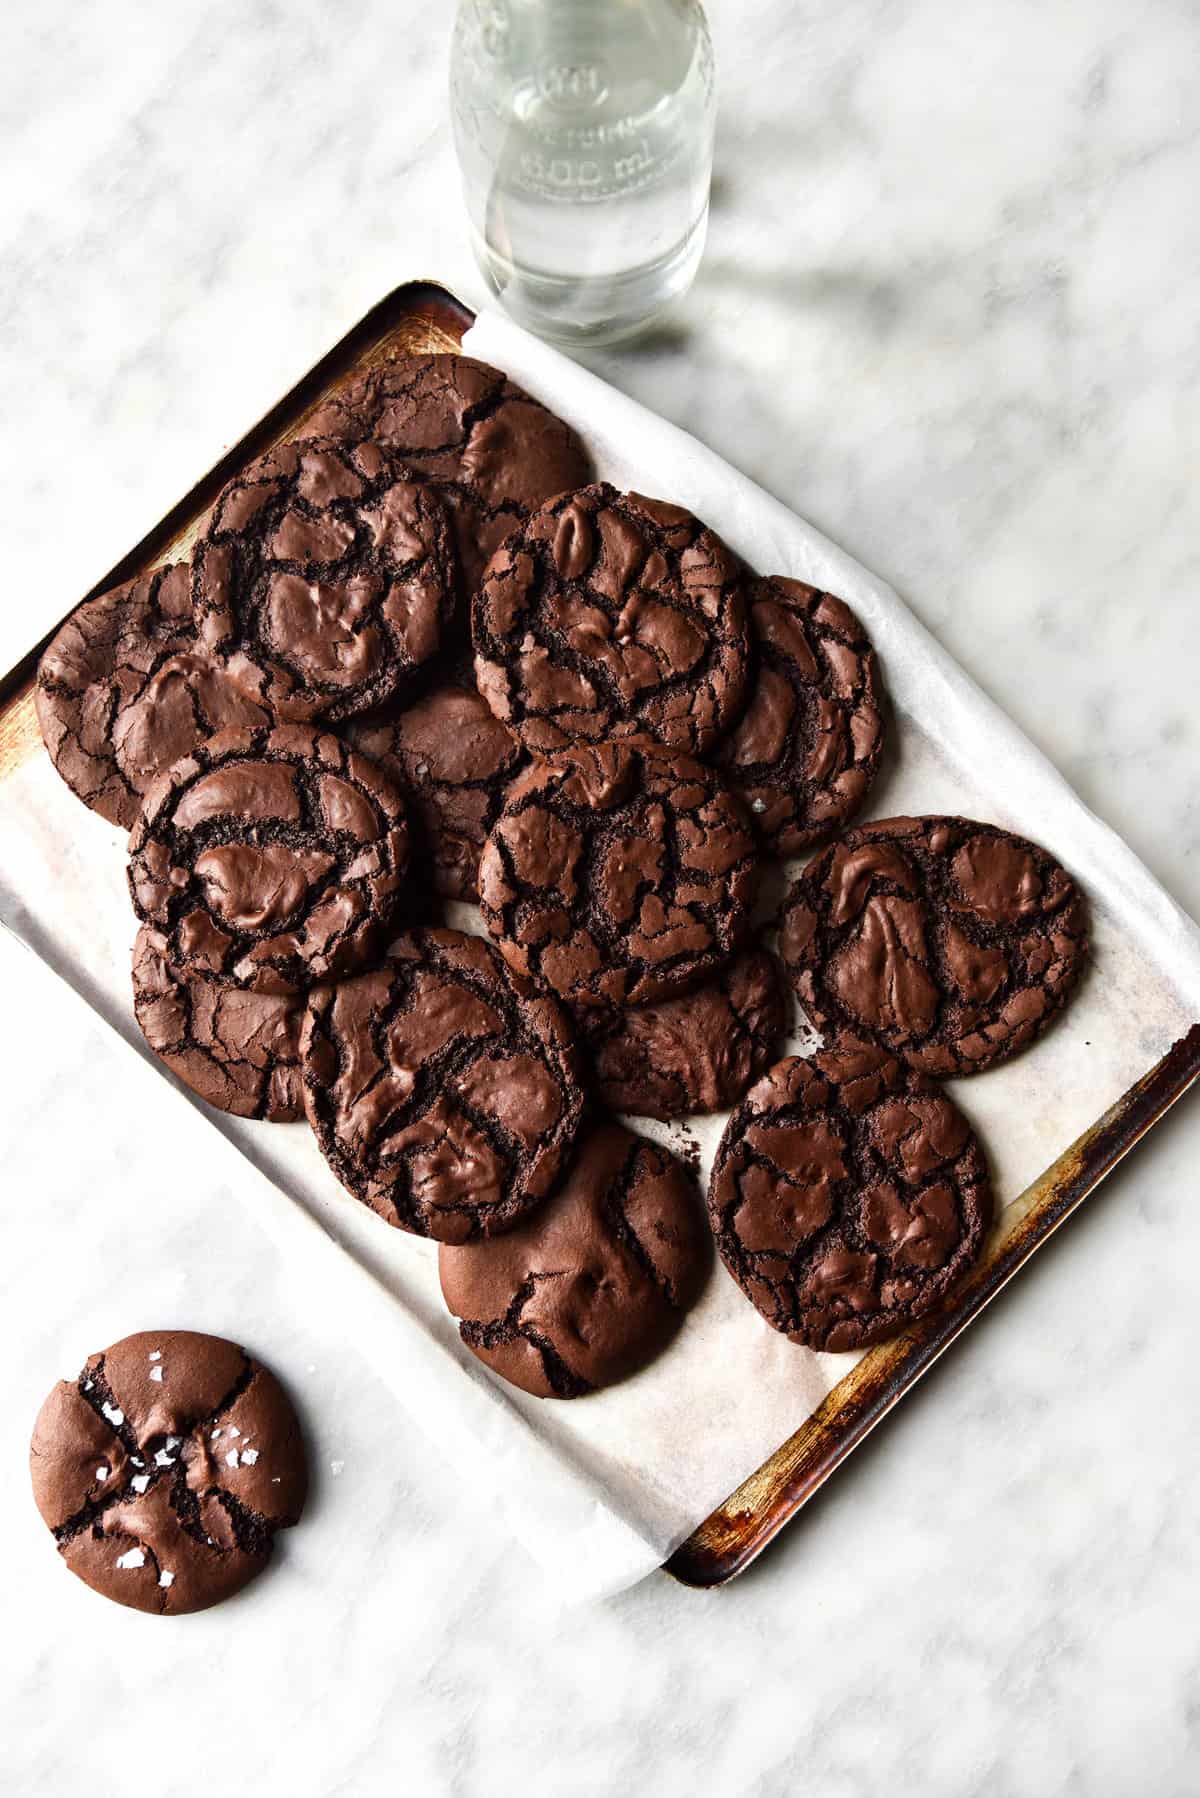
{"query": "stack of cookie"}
pixel 416 657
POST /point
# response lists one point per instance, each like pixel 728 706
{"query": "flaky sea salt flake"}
pixel 140 1481
pixel 231 1459
pixel 166 1577
pixel 114 1414
pixel 156 1373
pixel 133 1557
pixel 249 1457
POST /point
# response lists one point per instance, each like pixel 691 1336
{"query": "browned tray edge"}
pixel 738 1530
pixel 447 316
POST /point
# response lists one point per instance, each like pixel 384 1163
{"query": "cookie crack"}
pixel 616 1207
pixel 503 1331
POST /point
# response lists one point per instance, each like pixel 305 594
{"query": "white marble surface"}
pixel 948 313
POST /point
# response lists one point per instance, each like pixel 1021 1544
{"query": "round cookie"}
pixel 444 1093
pixel 848 1196
pixel 454 760
pixel 122 692
pixel 326 578
pixel 610 615
pixel 238 1050
pixel 809 741
pixel 596 1282
pixel 492 452
pixel 952 943
pixel 618 874
pixel 166 1468
pixel 272 859
pixel 697 1053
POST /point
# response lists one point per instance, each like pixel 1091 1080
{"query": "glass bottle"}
pixel 584 132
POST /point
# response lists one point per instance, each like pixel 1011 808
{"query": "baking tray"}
pixel 422 316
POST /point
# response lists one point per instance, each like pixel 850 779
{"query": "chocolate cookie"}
pixel 444 1093
pixel 493 453
pixel 454 760
pixel 270 858
pixel 239 1050
pixel 808 744
pixel 325 579
pixel 618 874
pixel 951 943
pixel 610 615
pixel 166 1468
pixel 595 1283
pixel 848 1196
pixel 122 692
pixel 697 1053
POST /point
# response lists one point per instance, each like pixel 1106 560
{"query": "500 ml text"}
pixel 567 173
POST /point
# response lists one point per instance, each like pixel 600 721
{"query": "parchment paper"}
pixel 602 1489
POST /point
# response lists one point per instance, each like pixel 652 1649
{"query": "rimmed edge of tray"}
pixel 738 1530
pixel 432 318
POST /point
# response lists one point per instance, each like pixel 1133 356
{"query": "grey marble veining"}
pixel 948 313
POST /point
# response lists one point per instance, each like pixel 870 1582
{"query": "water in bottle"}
pixel 584 131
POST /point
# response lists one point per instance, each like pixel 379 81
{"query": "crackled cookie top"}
pixel 453 760
pixel 445 1094
pixel 238 1049
pixel 951 943
pixel 808 743
pixel 122 692
pixel 848 1196
pixel 166 1468
pixel 325 579
pixel 270 858
pixel 618 874
pixel 492 452
pixel 596 1282
pixel 697 1053
pixel 611 615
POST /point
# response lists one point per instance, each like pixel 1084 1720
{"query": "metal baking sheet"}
pixel 422 317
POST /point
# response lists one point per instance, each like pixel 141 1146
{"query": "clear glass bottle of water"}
pixel 584 131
